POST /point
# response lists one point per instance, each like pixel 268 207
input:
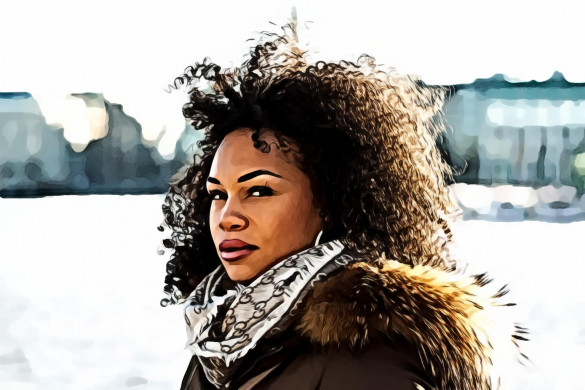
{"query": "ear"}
pixel 325 217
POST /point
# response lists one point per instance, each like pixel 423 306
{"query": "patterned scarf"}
pixel 225 320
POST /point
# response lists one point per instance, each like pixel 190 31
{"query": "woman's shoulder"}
pixel 443 317
pixel 375 325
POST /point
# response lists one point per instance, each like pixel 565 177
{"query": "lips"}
pixel 232 250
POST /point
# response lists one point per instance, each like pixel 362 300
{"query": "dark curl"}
pixel 366 139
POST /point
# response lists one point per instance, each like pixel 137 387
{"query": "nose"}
pixel 232 220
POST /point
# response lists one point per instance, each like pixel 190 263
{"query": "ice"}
pixel 81 281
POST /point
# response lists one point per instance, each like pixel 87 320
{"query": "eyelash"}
pixel 262 190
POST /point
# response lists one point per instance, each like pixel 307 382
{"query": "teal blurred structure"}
pixel 37 160
pixel 500 133
pixel 525 133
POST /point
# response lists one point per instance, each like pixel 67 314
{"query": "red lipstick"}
pixel 232 250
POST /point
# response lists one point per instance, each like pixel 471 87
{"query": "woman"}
pixel 310 239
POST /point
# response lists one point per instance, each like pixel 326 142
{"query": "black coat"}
pixel 299 365
pixel 388 326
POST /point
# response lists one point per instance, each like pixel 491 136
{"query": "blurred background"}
pixel 90 137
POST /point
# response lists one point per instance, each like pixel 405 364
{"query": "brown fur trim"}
pixel 445 316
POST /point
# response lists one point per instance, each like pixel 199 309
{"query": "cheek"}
pixel 271 217
pixel 288 218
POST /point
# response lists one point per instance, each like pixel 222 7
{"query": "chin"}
pixel 240 273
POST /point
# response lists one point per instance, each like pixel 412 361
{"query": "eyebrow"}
pixel 247 176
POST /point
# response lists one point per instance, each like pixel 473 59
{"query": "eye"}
pixel 259 191
pixel 217 195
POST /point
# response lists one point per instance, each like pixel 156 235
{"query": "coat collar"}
pixel 459 330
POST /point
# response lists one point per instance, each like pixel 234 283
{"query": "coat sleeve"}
pixel 378 366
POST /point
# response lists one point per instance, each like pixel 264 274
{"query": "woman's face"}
pixel 262 209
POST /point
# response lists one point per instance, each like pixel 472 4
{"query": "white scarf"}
pixel 225 320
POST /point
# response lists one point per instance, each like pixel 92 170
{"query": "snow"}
pixel 80 285
pixel 81 281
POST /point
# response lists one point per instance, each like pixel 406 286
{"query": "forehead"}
pixel 237 155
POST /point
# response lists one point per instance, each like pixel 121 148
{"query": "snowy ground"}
pixel 80 285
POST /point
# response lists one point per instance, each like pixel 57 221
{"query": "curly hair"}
pixel 367 139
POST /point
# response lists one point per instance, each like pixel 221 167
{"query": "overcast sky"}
pixel 130 50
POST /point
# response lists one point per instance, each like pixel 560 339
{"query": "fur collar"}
pixel 450 319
